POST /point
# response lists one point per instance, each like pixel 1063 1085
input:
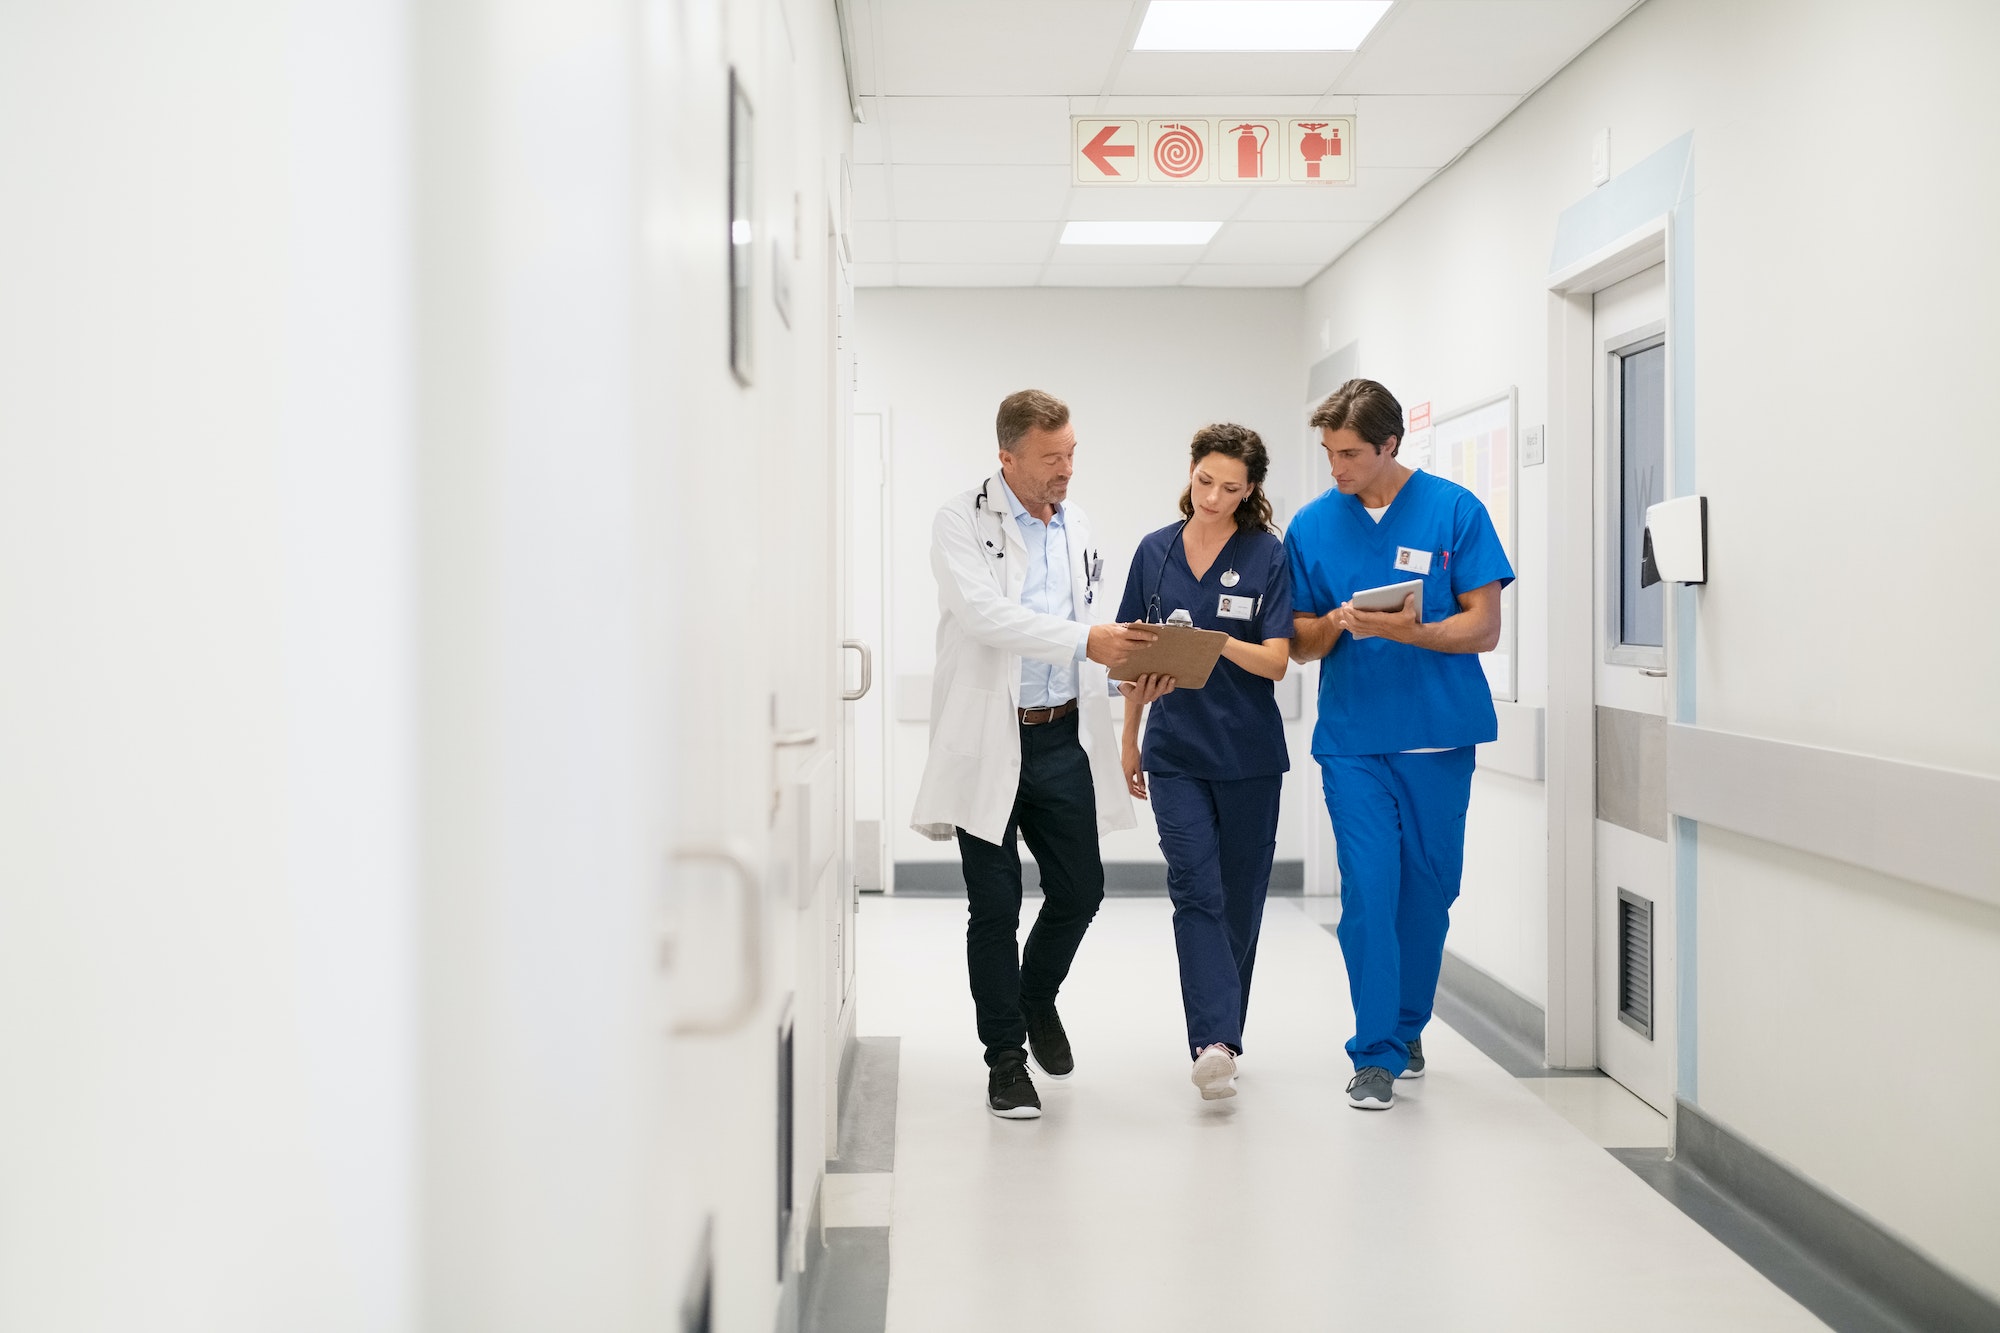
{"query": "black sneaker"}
pixel 1010 1093
pixel 1416 1065
pixel 1371 1089
pixel 1048 1042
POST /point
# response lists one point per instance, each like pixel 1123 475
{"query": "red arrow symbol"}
pixel 1100 150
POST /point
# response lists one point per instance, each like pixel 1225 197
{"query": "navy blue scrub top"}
pixel 1379 697
pixel 1230 727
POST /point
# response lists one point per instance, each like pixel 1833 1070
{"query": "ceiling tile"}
pixel 1476 46
pixel 1124 256
pixel 1201 73
pixel 1422 131
pixel 968 275
pixel 999 193
pixel 1016 48
pixel 1282 242
pixel 1114 275
pixel 1164 203
pixel 1171 107
pixel 953 130
pixel 868 134
pixel 1376 193
pixel 874 242
pixel 1251 275
pixel 873 275
pixel 974 242
pixel 871 192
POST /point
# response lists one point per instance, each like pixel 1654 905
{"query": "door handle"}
pixel 1648 671
pixel 867 669
pixel 751 897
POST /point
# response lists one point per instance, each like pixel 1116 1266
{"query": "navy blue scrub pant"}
pixel 1055 809
pixel 1399 832
pixel 1218 838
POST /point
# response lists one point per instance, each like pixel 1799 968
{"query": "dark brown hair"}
pixel 1030 409
pixel 1253 513
pixel 1366 408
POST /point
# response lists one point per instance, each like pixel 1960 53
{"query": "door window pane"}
pixel 1642 437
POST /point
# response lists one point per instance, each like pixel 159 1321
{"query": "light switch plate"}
pixel 1532 452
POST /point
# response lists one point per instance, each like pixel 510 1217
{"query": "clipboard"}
pixel 1186 654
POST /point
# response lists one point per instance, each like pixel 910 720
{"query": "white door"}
pixel 866 639
pixel 1634 899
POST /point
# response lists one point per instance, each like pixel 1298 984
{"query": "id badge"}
pixel 1414 561
pixel 1232 606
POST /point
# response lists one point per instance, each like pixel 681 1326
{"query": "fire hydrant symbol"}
pixel 1250 140
pixel 1316 148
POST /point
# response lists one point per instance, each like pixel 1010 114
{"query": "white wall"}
pixel 1844 325
pixel 363 379
pixel 1141 371
pixel 207 857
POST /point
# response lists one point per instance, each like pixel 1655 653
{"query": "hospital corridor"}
pixel 999 666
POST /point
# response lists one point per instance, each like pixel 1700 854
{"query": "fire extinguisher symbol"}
pixel 1250 140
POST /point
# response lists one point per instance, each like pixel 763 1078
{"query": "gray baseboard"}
pixel 1122 879
pixel 1508 1028
pixel 1908 1286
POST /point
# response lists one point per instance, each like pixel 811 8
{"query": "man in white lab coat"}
pixel 1021 739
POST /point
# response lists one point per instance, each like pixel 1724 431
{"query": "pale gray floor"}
pixel 1476 1203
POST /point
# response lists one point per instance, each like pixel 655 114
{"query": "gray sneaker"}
pixel 1416 1066
pixel 1371 1089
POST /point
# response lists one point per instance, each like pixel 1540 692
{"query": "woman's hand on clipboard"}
pixel 1146 688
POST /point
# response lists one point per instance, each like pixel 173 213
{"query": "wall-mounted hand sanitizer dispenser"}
pixel 1676 545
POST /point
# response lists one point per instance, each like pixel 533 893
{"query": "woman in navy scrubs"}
pixel 1214 758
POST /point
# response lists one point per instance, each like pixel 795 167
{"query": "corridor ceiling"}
pixel 962 164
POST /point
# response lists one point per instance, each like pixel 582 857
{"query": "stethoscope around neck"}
pixel 1229 574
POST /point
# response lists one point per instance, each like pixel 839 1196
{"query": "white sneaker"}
pixel 1215 1072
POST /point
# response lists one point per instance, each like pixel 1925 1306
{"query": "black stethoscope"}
pixel 1093 561
pixel 1230 578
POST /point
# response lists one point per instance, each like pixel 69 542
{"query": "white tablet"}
pixel 1389 597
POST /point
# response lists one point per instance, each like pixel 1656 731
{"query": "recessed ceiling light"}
pixel 1258 25
pixel 1138 233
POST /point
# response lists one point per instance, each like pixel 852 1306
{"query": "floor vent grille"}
pixel 1635 963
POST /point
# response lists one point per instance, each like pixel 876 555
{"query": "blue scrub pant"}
pixel 1399 830
pixel 1218 838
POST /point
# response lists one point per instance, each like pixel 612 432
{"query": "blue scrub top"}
pixel 1379 697
pixel 1230 727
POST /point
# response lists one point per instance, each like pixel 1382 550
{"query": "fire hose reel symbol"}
pixel 1178 151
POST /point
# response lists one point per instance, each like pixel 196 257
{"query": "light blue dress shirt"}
pixel 1047 590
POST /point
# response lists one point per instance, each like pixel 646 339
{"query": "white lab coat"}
pixel 973 771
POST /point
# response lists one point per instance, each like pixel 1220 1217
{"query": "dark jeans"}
pixel 1055 809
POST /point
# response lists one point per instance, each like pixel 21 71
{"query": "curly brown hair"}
pixel 1247 447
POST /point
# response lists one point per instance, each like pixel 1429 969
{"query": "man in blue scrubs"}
pixel 1402 703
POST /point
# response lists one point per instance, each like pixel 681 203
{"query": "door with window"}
pixel 1634 900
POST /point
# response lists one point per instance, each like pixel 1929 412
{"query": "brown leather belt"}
pixel 1035 717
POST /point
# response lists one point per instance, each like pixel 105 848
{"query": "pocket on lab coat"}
pixel 962 729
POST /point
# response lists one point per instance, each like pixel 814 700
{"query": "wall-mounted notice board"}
pixel 1476 447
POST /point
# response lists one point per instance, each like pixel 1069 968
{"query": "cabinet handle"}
pixel 750 896
pixel 867 669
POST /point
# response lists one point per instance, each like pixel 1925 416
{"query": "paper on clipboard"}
pixel 1186 654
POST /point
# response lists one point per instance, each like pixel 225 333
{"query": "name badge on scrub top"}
pixel 1235 607
pixel 1417 562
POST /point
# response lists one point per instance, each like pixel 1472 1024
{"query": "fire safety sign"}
pixel 1234 150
